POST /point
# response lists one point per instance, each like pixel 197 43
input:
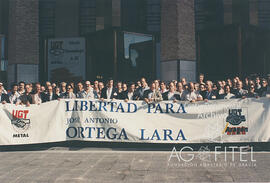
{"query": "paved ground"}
pixel 103 165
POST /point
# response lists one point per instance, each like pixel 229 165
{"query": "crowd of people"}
pixel 155 91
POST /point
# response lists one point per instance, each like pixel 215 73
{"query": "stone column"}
pixel 178 48
pixel 23 41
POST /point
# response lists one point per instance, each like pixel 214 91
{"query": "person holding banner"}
pixel 80 90
pixel 172 94
pixel 109 92
pixel 140 91
pixel 251 93
pixel 21 87
pixel 88 92
pixel 119 89
pixel 180 89
pixel 191 95
pixel 38 97
pixel 50 95
pixel 210 94
pixel 124 92
pixel 153 94
pixel 227 94
pixel 14 95
pixel 163 88
pixel 240 92
pixel 96 91
pixel 130 94
pixel 26 97
pixel 63 89
pixel 3 97
pixel 69 94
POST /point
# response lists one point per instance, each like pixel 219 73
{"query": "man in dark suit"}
pixel 152 95
pixel 3 97
pixel 109 92
pixel 50 95
pixel 140 91
pixel 130 94
pixel 240 92
pixel 26 97
pixel 210 94
pixel 172 94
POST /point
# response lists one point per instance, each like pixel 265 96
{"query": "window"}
pixel 46 17
pixel 264 13
pixel 153 15
pixel 133 13
pixel 87 16
pixel 208 14
pixel 240 12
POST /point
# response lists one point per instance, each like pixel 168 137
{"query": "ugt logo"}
pixel 19 120
pixel 57 48
pixel 235 118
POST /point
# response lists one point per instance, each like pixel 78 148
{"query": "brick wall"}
pixel 23 32
pixel 177 30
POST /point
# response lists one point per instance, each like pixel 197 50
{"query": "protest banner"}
pixel 235 120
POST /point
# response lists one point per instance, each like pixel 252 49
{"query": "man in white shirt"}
pixel 152 95
pixel 163 88
pixel 130 93
pixel 182 93
pixel 88 92
pixel 109 92
pixel 21 87
pixel 228 94
pixel 192 96
pixel 171 94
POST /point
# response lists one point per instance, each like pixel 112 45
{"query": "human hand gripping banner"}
pixel 235 120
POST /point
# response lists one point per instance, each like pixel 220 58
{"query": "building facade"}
pixel 232 37
pixel 128 39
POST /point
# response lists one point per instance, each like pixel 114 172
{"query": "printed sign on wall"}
pixel 66 59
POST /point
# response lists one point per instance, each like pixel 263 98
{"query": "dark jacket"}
pixel 4 97
pixel 26 98
pixel 124 95
pixel 113 94
pixel 165 96
pixel 47 97
pixel 210 95
pixel 240 93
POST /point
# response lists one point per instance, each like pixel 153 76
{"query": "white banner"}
pixel 235 120
pixel 66 58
